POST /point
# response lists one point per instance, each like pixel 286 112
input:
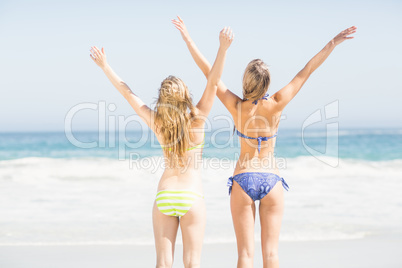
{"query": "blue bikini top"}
pixel 259 139
pixel 263 98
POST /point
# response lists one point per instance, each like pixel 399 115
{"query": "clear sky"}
pixel 45 68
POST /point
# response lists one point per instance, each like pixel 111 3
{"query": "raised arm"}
pixel 286 94
pixel 214 76
pixel 228 98
pixel 99 57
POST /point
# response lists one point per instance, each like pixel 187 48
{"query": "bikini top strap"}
pixel 201 145
pixel 263 98
pixel 259 139
pixel 242 135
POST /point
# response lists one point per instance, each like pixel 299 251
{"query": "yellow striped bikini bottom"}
pixel 176 202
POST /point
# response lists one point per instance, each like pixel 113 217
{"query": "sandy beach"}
pixel 376 251
pixel 58 213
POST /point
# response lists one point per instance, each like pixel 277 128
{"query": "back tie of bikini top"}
pixel 259 139
pixel 263 98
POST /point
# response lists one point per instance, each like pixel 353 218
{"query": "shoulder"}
pixel 269 107
pixel 273 103
pixel 275 97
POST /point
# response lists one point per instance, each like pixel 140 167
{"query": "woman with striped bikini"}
pixel 179 126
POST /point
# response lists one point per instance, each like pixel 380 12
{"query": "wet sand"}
pixel 376 251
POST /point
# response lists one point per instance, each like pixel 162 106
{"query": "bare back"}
pixel 257 120
pixel 187 176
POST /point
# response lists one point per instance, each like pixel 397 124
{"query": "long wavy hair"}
pixel 256 80
pixel 173 113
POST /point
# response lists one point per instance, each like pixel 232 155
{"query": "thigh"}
pixel 192 226
pixel 165 231
pixel 243 215
pixel 271 212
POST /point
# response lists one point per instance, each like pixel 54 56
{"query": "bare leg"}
pixel 271 212
pixel 165 231
pixel 192 226
pixel 243 215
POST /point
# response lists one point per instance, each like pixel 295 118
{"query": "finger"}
pixel 350 37
pixel 178 26
pixel 97 50
pixel 180 19
pixel 92 57
pixel 94 52
pixel 227 31
pixel 103 50
pixel 176 23
pixel 94 48
pixel 350 33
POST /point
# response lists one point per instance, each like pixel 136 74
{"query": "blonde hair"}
pixel 173 113
pixel 256 80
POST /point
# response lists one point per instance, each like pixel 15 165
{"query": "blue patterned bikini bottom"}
pixel 256 184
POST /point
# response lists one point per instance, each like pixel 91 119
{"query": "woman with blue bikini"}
pixel 256 117
pixel 179 125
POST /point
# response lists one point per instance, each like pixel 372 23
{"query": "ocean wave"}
pixel 47 201
pixel 80 162
pixel 80 170
pixel 315 133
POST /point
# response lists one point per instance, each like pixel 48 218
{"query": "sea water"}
pixel 343 185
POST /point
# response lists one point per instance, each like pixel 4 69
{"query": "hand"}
pixel 179 24
pixel 226 37
pixel 342 36
pixel 99 57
